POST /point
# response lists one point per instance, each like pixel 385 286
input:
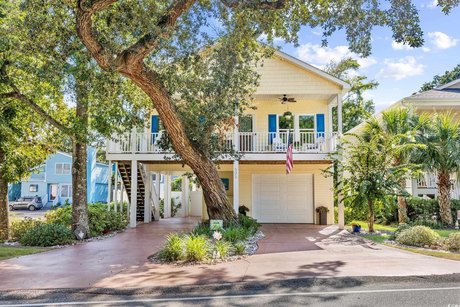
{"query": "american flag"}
pixel 289 160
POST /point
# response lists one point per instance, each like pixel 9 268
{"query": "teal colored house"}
pixel 53 180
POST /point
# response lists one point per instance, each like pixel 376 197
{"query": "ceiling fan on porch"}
pixel 285 99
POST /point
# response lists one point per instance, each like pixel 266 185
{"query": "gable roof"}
pixel 345 86
pixel 450 84
pixel 436 94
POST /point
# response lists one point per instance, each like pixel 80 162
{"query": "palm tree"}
pixel 442 157
pixel 402 122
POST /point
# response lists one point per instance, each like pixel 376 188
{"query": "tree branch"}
pixel 86 33
pixel 146 44
pixel 16 94
pixel 37 109
pixel 256 4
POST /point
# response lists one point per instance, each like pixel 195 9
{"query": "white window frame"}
pixel 33 185
pixel 68 189
pixel 62 164
pixel 314 122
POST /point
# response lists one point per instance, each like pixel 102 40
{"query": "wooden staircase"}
pixel 125 172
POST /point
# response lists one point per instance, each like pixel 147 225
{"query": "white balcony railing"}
pixel 249 142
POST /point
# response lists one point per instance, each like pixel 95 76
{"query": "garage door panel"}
pixel 280 198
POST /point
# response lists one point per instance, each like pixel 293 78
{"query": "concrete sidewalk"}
pixel 121 262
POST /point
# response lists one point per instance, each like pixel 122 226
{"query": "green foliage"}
pixel 223 248
pixel 234 234
pixel 19 227
pixel 401 228
pixel 176 184
pixel 418 236
pixel 202 229
pixel 101 221
pixel 173 250
pixel 47 234
pixel 197 248
pixel 452 243
pixel 355 108
pixel 248 223
pixel 438 80
pixel 239 248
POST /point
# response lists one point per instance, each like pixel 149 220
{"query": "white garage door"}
pixel 279 198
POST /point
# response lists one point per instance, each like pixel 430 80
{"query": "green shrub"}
pixel 424 209
pixel 223 248
pixel 452 243
pixel 433 224
pixel 101 221
pixel 20 227
pixel 47 234
pixel 399 229
pixel 173 250
pixel 234 234
pixel 196 248
pixel 418 236
pixel 202 229
pixel 248 223
pixel 240 248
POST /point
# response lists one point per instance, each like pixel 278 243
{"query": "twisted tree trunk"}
pixel 402 205
pixel 215 196
pixel 4 210
pixel 444 187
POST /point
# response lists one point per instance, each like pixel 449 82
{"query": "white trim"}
pixel 345 86
pixel 62 163
pixel 448 84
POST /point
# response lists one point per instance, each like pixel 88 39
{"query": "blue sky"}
pixel 400 70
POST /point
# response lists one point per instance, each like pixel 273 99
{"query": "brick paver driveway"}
pixel 287 251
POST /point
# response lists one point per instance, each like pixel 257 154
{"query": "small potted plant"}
pixel 243 209
pixel 356 227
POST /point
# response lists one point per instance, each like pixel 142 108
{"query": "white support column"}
pixel 109 186
pixel 147 202
pixel 236 140
pixel 115 195
pixel 236 186
pixel 167 199
pixel 185 195
pixel 133 207
pixel 341 217
pixel 157 196
pixel 339 115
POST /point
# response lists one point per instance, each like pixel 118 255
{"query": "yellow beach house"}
pixel 258 178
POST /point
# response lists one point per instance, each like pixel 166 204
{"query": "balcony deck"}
pixel 254 146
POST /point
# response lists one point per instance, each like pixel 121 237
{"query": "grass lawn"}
pixel 445 255
pixel 389 228
pixel 377 238
pixel 7 252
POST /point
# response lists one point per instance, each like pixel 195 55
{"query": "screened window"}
pixel 306 122
pixel 66 190
pixel 33 188
pixel 62 168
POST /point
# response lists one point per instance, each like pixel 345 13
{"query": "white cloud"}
pixel 401 69
pixel 442 40
pixel 320 56
pixel 400 46
pixel 432 4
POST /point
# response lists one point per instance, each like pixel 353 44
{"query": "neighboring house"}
pixel 52 181
pixel 258 180
pixel 445 98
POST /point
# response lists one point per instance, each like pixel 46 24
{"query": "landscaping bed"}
pixel 206 245
pixel 443 243
pixel 55 229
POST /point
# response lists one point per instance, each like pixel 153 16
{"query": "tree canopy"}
pixel 438 80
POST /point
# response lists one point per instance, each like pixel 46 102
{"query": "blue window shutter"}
pixel 271 127
pixel 155 126
pixel 320 129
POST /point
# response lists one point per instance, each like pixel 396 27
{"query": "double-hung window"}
pixel 62 168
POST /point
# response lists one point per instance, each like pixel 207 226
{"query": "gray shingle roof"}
pixel 447 93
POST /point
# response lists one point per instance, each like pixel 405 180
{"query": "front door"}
pixel 52 192
pixel 246 133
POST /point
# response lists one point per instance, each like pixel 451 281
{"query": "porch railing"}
pixel 249 142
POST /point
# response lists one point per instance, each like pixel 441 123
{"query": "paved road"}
pixel 441 290
pixel 30 214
